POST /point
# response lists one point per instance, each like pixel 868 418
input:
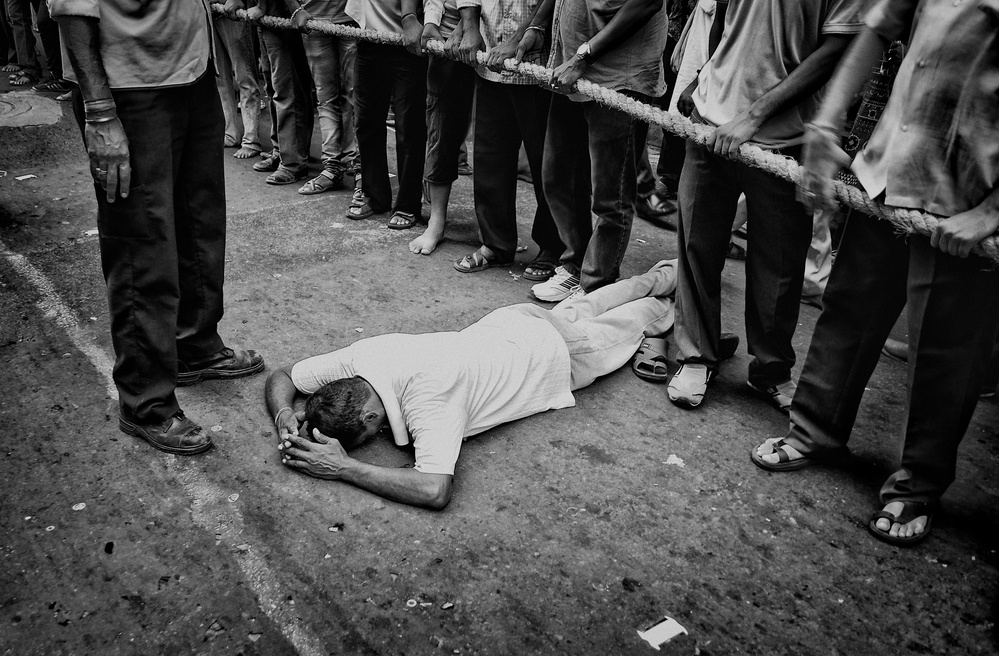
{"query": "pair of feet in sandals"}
pixel 902 523
pixel 541 269
pixel 360 208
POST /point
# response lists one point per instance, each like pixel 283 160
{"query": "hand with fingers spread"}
pixel 323 458
pixel 822 158
pixel 107 147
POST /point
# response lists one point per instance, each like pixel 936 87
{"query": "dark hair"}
pixel 337 408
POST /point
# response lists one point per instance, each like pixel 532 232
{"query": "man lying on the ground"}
pixel 441 388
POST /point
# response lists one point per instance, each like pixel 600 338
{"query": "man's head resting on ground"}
pixel 347 410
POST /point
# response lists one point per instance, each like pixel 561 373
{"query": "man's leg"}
pixel 343 104
pixel 323 56
pixel 953 318
pixel 292 99
pixel 409 97
pixel 226 88
pixel 238 37
pixel 617 142
pixel 139 257
pixel 565 176
pixel 199 209
pixel 19 16
pixel 48 30
pixel 779 234
pixel 497 140
pixel 864 296
pixel 658 282
pixel 373 93
pixel 450 89
pixel 531 107
pixel 708 196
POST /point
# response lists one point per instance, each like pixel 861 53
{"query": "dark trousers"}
pixel 590 178
pixel 450 92
pixel 775 263
pixel 390 75
pixel 163 247
pixel 505 116
pixel 292 96
pixel 48 31
pixel 19 17
pixel 953 320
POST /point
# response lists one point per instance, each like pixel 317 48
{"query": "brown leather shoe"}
pixel 178 435
pixel 224 364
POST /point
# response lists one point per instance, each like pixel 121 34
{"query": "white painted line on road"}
pixel 53 308
pixel 203 492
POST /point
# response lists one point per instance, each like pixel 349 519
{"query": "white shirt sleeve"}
pixel 437 430
pixel 310 374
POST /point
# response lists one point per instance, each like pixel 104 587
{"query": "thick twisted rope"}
pixel 905 220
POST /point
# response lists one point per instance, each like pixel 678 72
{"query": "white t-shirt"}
pixel 763 41
pixel 445 387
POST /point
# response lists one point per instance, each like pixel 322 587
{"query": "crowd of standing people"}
pixel 913 104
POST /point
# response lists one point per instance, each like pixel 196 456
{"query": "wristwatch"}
pixel 583 52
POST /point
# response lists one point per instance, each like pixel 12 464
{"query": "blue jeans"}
pixel 331 60
pixel 589 173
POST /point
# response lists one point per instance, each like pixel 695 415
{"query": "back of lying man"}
pixel 438 389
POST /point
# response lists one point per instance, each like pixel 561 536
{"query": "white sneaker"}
pixel 559 287
pixel 688 385
pixel 579 293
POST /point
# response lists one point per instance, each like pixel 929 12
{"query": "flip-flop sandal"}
pixel 910 511
pixel 408 220
pixel 785 463
pixel 477 262
pixel 539 270
pixel 650 360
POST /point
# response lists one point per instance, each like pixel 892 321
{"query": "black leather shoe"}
pixel 656 211
pixel 178 435
pixel 269 163
pixel 225 364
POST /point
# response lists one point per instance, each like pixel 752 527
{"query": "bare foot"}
pixel 896 530
pixel 425 243
pixel 245 153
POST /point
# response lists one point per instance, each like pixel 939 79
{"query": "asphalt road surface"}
pixel 568 532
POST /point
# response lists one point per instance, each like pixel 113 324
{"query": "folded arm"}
pixel 326 459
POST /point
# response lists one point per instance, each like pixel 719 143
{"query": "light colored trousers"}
pixel 331 60
pixel 604 328
pixel 238 78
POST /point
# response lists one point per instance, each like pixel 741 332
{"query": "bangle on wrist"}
pixel 101 105
pixel 295 12
pixel 103 119
pixel 278 415
pixel 407 15
pixel 539 28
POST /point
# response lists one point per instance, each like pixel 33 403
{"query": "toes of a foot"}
pixel 883 524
